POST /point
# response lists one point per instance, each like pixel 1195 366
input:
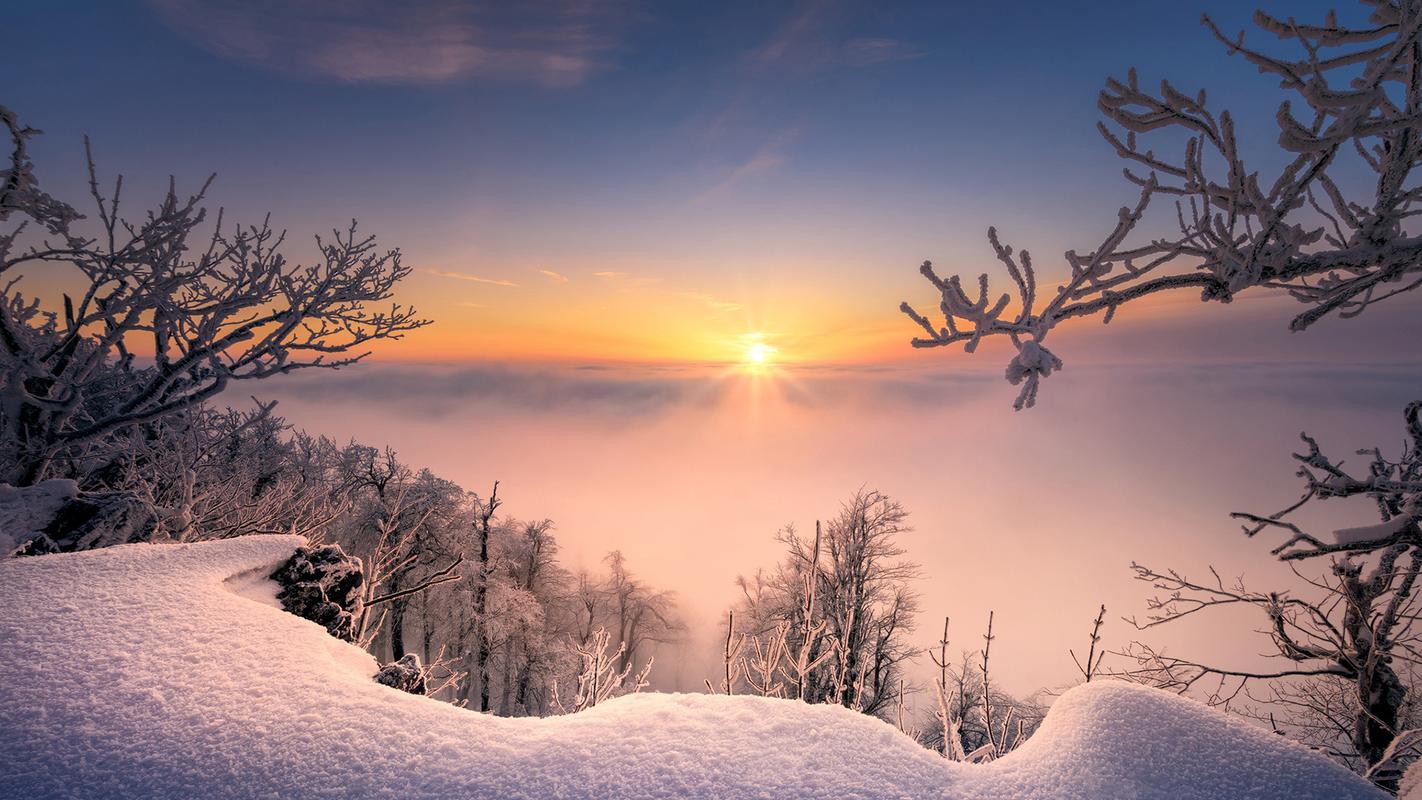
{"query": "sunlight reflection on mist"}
pixel 691 469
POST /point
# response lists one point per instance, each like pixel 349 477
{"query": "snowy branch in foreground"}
pixel 166 314
pixel 1356 105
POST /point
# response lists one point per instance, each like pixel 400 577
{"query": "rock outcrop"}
pixel 323 584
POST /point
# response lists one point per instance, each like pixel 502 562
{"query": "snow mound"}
pixel 160 671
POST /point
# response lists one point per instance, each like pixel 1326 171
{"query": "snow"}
pixel 1373 533
pixel 24 513
pixel 164 671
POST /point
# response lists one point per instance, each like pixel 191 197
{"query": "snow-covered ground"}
pixel 166 671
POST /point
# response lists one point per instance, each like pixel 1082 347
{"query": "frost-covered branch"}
pixel 170 310
pixel 599 679
pixel 1394 486
pixel 1356 633
pixel 1089 669
pixel 1355 104
pixel 1347 635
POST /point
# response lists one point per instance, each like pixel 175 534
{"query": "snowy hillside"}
pixel 167 671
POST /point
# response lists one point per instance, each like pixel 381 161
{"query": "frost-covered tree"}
pixel 164 313
pixel 210 473
pixel 640 616
pixel 1013 720
pixel 599 679
pixel 536 618
pixel 400 525
pixel 1345 638
pixel 843 603
pixel 1310 228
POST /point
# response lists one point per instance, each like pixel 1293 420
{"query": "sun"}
pixel 759 353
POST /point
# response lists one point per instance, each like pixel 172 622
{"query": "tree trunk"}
pixel 525 677
pixel 481 591
pixel 1381 694
pixel 397 620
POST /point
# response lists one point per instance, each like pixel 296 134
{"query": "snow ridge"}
pixel 141 671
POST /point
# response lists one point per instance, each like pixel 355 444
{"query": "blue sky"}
pixel 694 170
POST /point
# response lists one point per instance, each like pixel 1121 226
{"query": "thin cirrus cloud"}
pixel 863 52
pixel 553 43
pixel 464 276
pixel 714 303
pixel 555 277
pixel 813 39
pixel 766 158
pixel 627 282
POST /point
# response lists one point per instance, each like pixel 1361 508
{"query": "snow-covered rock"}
pixel 55 517
pixel 322 584
pixel 404 674
pixel 26 511
pixel 157 671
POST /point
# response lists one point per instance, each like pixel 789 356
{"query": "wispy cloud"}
pixel 714 303
pixel 464 276
pixel 555 43
pixel 553 276
pixel 863 52
pixel 628 282
pixel 765 159
pixel 814 38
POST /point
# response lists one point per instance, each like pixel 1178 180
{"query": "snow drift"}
pixel 167 671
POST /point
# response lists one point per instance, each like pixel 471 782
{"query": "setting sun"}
pixel 759 353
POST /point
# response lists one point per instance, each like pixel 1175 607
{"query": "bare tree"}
pixel 398 525
pixel 959 690
pixel 599 679
pixel 731 664
pixel 1353 627
pixel 166 316
pixel 843 604
pixel 484 511
pixel 530 646
pixel 214 474
pixel 640 616
pixel 1356 104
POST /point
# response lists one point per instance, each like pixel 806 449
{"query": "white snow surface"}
pixel 163 671
pixel 1371 533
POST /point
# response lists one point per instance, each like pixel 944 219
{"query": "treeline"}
pixel 479 595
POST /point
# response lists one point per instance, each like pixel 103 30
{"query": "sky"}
pixel 608 205
pixel 618 180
